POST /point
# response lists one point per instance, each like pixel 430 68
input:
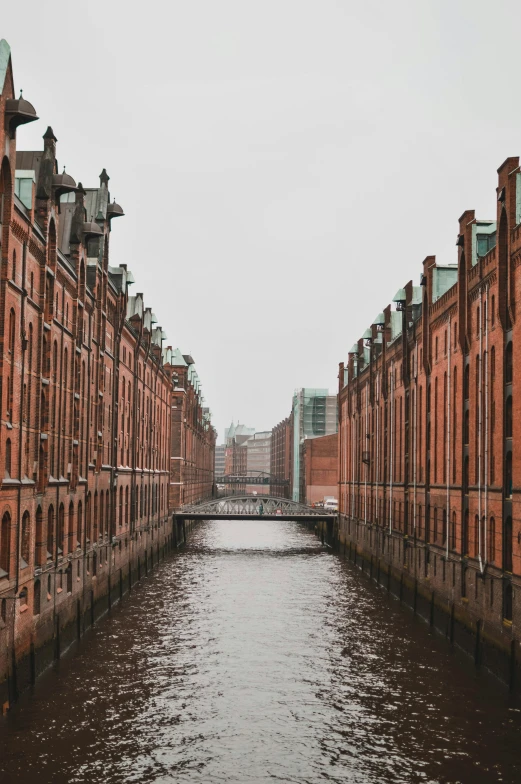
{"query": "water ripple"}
pixel 255 655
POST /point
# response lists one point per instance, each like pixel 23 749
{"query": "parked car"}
pixel 331 504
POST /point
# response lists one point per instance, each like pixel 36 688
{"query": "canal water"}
pixel 256 655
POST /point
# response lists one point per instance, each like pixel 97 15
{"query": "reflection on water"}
pixel 256 655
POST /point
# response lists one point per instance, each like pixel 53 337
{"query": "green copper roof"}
pixel 5 54
pixel 177 359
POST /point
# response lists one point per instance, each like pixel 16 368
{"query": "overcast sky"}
pixel 284 165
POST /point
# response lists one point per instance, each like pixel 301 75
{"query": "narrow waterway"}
pixel 256 655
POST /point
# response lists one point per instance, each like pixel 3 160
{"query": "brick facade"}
pixel 320 469
pixel 280 459
pixel 193 439
pixel 430 480
pixel 86 396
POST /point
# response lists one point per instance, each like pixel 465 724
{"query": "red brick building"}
pixel 86 408
pixel 429 475
pixel 280 461
pixel 193 439
pixel 320 470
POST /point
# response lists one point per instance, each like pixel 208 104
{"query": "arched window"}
pixel 121 507
pixel 507 545
pixel 96 519
pixel 37 598
pixel 26 538
pixel 508 475
pixel 435 537
pixel 509 366
pixel 88 521
pixel 39 543
pixel 55 362
pixel 465 534
pixel 8 458
pixel 101 513
pixel 61 529
pixel 71 546
pixel 11 332
pixel 13 276
pixel 107 513
pixel 444 526
pixel 23 597
pixel 466 427
pixel 492 541
pixel 508 417
pixel 51 246
pixel 5 544
pixel 476 536
pixel 126 506
pixel 50 533
pixel 79 526
pixel 453 531
pixel 466 382
pixel 30 347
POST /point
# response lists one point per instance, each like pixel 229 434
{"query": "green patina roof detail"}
pixel 5 54
pixel 177 359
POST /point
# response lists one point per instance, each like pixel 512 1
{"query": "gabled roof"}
pixel 177 359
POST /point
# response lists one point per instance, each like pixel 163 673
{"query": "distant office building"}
pixel 220 451
pixel 258 459
pixel 315 414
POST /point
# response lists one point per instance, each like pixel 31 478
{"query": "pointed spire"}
pixel 49 134
pixel 104 177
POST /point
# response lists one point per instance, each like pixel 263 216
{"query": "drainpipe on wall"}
pixel 21 429
pixel 486 431
pixel 377 445
pixel 447 527
pixel 391 475
pixel 480 422
pixel 366 466
pixel 415 434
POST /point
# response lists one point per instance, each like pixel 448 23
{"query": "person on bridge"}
pixel 261 508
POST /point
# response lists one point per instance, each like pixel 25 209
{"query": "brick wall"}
pixel 428 423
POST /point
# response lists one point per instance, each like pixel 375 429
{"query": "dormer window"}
pixel 485 242
pixel 23 187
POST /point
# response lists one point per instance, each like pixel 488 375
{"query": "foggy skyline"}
pixel 284 167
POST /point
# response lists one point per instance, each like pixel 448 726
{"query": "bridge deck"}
pixel 187 515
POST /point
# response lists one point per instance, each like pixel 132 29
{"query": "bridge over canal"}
pixel 247 506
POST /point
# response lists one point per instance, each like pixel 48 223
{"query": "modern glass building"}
pixel 315 413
